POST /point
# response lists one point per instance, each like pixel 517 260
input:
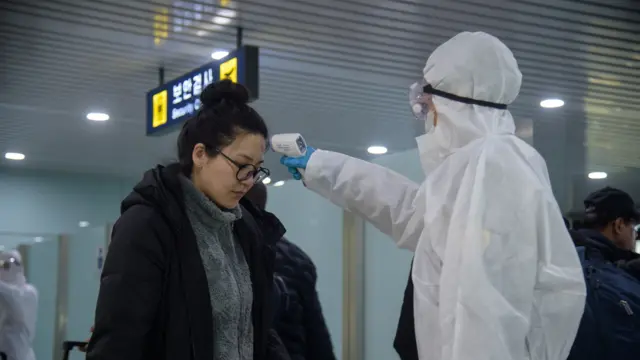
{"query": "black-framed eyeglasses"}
pixel 247 171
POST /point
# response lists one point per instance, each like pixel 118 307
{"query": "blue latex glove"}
pixel 295 163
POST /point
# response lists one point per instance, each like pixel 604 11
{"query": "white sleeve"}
pixel 388 200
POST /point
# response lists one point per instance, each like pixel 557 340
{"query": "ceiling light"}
pixel 227 13
pixel 201 33
pixel 377 150
pixel 279 183
pixel 217 55
pixel 83 224
pixel 14 156
pixel 597 175
pixel 551 103
pixel 266 181
pixel 98 116
pixel 38 239
pixel 221 20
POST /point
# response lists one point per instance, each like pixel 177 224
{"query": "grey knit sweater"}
pixel 228 274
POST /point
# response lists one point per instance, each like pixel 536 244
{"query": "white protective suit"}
pixel 18 309
pixel 496 275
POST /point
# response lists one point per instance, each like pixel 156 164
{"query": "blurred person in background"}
pixel 190 268
pixel 18 308
pixel 495 274
pixel 606 245
pixel 300 324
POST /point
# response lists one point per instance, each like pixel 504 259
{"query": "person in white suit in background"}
pixel 495 273
pixel 18 308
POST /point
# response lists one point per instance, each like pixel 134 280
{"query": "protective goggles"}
pixel 421 96
pixel 8 263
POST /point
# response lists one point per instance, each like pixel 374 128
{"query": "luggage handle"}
pixel 67 346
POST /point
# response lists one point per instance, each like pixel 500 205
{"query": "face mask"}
pixel 431 153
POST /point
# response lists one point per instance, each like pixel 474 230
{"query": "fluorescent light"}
pixel 98 116
pixel 266 181
pixel 38 239
pixel 279 183
pixel 83 224
pixel 201 33
pixel 217 55
pixel 551 103
pixel 597 175
pixel 14 156
pixel 377 150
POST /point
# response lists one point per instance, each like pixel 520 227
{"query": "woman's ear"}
pixel 199 155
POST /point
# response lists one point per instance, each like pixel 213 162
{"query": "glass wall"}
pixel 315 225
pixel 42 272
pixel 386 272
pixel 86 249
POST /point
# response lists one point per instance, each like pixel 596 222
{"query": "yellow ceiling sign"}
pixel 224 3
pixel 160 25
pixel 229 70
pixel 159 109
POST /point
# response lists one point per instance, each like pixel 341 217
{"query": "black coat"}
pixel 154 298
pixel 301 325
pixel 405 341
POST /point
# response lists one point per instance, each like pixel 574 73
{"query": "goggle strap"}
pixel 428 89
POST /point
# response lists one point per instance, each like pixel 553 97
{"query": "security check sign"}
pixel 179 99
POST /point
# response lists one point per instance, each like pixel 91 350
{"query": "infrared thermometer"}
pixel 291 145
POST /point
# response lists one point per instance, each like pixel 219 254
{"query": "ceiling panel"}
pixel 337 71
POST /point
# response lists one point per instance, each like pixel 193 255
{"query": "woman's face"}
pixel 217 176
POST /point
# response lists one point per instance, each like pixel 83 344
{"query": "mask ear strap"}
pixel 428 89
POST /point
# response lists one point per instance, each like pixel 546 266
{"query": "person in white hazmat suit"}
pixel 495 273
pixel 18 309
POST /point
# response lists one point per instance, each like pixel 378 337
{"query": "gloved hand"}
pixel 295 163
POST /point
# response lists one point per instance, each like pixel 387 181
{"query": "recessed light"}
pixel 266 181
pixel 377 150
pixel 83 224
pixel 597 175
pixel 14 156
pixel 38 239
pixel 97 116
pixel 279 183
pixel 217 55
pixel 551 103
pixel 227 13
pixel 220 20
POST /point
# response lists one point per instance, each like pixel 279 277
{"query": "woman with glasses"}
pixel 190 267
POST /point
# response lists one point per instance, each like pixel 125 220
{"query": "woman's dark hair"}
pixel 223 115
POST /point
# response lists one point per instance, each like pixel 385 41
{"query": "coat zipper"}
pixel 626 307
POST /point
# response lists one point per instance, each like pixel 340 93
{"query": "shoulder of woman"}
pixel 141 227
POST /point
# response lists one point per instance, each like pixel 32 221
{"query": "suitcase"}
pixel 68 346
